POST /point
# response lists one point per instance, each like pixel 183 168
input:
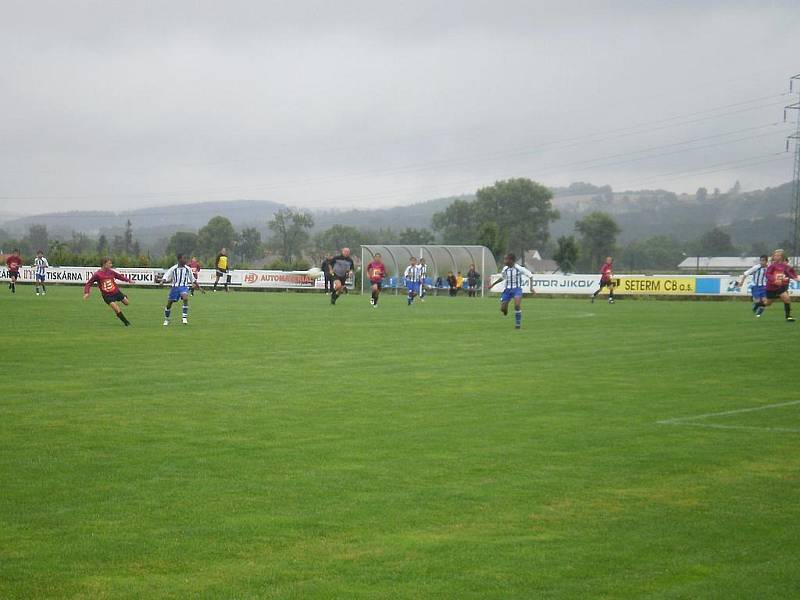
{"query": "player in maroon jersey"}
pixel 194 265
pixel 376 271
pixel 779 274
pixel 13 262
pixel 106 279
pixel 606 280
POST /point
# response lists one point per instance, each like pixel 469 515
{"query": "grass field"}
pixel 278 447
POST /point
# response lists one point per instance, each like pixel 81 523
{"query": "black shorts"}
pixel 222 273
pixel 774 294
pixel 606 283
pixel 118 297
pixel 378 283
pixel 341 279
pixel 13 274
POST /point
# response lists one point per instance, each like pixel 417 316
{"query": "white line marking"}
pixel 691 421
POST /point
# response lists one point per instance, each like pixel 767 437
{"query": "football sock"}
pixel 215 285
pixel 760 310
pixel 167 312
pixel 755 306
pixel 410 299
pixel 787 309
pixel 517 318
pixel 122 318
pixel 611 295
pixel 185 311
pixel 13 288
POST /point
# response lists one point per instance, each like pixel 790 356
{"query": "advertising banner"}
pixel 656 285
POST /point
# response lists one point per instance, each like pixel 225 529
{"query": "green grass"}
pixel 278 447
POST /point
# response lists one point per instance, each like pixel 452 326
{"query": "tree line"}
pixel 511 215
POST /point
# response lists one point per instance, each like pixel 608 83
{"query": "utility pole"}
pixel 794 87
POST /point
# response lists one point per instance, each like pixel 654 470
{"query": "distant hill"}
pixel 397 217
pixel 761 216
pixel 750 217
pixel 174 217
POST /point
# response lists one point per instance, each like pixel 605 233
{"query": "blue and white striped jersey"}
pixel 179 276
pixel 40 264
pixel 413 273
pixel 514 276
pixel 759 275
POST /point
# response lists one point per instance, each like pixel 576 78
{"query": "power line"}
pixel 665 123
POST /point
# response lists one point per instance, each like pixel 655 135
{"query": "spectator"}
pixel 326 266
pixel 473 280
pixel 453 283
pixel 459 280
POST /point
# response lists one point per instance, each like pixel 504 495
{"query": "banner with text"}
pixel 639 285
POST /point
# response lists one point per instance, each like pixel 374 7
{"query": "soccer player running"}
pixel 106 279
pixel 40 265
pixel 758 290
pixel 779 273
pixel 376 271
pixel 513 275
pixel 183 279
pixel 341 267
pixel 13 263
pixel 606 280
pixel 221 265
pixel 413 277
pixel 423 266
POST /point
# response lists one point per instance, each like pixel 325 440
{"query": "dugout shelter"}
pixel 440 260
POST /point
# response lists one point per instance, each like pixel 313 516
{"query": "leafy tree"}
pixel 80 243
pixel 216 234
pixel 250 243
pixel 416 237
pixel 701 195
pixel 654 253
pixel 598 237
pixel 182 242
pixel 102 244
pixel 118 246
pixel 489 235
pixel 339 236
pixel 127 238
pixel 290 231
pixel 457 224
pixel 522 210
pixel 716 242
pixel 38 238
pixel 566 255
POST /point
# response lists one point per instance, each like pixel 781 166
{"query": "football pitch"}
pixel 278 447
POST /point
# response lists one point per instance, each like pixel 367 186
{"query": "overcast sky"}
pixel 123 104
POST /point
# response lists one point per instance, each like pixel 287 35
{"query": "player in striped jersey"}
pixel 514 276
pixel 413 277
pixel 758 288
pixel 423 275
pixel 182 279
pixel 40 265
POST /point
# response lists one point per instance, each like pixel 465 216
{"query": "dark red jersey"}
pixel 13 262
pixel 606 272
pixel 105 279
pixel 376 271
pixel 779 274
pixel 194 266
